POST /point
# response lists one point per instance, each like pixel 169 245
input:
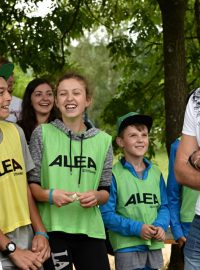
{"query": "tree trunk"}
pixel 173 16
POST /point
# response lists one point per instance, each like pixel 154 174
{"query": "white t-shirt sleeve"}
pixel 189 125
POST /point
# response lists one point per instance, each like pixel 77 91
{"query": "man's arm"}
pixel 184 172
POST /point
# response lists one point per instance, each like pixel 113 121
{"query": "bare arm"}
pixel 22 258
pixel 59 197
pixel 35 217
pixel 4 240
pixel 185 173
pixel 39 243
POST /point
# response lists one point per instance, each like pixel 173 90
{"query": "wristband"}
pixel 51 196
pixel 43 234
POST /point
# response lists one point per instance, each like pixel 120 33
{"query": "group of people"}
pixel 60 190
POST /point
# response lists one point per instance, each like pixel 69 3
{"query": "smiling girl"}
pixel 37 106
pixel 71 178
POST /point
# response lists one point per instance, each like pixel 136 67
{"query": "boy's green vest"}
pixel 188 201
pixel 138 200
pixel 62 170
pixel 189 198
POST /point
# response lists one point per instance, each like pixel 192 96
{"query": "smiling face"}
pixel 42 99
pixel 5 99
pixel 71 99
pixel 134 140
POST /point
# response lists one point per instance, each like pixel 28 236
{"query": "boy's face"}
pixel 134 141
pixel 5 99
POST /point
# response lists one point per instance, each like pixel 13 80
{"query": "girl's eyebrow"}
pixel 39 91
pixel 70 89
pixel 3 88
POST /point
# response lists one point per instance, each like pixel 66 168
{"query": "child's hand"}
pixel 148 231
pixel 160 234
pixel 88 199
pixel 181 241
pixel 41 245
pixel 26 259
pixel 61 197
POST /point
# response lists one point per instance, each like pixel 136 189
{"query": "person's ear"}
pixel 120 142
pixel 88 102
pixel 56 102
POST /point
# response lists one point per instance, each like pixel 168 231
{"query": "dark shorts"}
pixel 82 251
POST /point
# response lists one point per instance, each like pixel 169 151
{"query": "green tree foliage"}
pixel 21 80
pixel 41 42
pixel 145 63
pixel 134 40
pixel 92 60
pixel 153 45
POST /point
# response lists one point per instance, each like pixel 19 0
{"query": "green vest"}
pixel 138 200
pixel 188 202
pixel 189 198
pixel 14 207
pixel 62 170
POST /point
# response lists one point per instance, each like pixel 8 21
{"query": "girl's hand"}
pixel 41 245
pixel 88 199
pixel 61 197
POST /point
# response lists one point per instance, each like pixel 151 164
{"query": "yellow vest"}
pixel 14 210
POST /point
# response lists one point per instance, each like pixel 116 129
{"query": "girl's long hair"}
pixel 28 120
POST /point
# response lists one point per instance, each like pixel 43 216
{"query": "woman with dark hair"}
pixel 37 106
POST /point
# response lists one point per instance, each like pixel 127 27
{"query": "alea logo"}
pixel 9 165
pixel 145 198
pixel 76 162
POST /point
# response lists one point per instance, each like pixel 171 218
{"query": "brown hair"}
pixel 138 126
pixel 28 120
pixel 78 77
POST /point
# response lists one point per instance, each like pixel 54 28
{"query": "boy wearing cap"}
pixel 18 212
pixel 136 213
